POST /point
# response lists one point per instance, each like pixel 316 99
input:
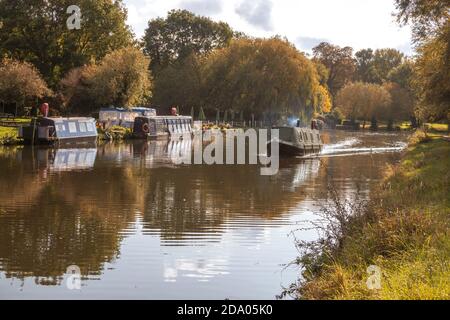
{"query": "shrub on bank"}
pixel 115 133
pixel 8 136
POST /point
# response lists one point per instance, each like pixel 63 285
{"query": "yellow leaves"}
pixel 260 75
pixel 363 100
pixel 322 100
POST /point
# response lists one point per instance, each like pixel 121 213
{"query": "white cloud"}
pixel 356 23
pixel 202 7
pixel 258 13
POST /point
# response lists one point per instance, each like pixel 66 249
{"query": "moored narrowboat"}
pixel 160 127
pixel 123 117
pixel 58 130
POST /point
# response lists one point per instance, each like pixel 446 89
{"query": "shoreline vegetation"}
pixel 404 229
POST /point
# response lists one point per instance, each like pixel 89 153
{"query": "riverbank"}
pixel 404 230
pixel 8 136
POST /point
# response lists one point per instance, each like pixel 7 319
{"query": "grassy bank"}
pixel 8 135
pixel 404 230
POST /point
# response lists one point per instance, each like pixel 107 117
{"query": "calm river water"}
pixel 140 227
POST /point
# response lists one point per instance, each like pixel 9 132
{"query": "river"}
pixel 140 227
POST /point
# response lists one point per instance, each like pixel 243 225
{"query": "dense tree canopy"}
pixel 427 17
pixel 266 77
pixel 36 31
pixel 181 34
pixel 339 62
pixel 180 84
pixel 375 66
pixel 261 76
pixel 366 71
pixel 431 76
pixel 122 78
pixel 400 106
pixel 363 101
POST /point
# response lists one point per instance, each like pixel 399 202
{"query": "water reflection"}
pixel 128 209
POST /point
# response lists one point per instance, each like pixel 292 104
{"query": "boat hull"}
pixel 288 150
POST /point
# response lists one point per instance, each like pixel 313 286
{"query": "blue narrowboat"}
pixel 56 130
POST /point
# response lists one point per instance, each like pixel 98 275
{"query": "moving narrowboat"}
pixel 295 141
pixel 58 130
pixel 161 127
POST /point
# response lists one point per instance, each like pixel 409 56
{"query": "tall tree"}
pixel 36 31
pixel 384 60
pixel 181 34
pixel 374 66
pixel 365 68
pixel 180 84
pixel 339 62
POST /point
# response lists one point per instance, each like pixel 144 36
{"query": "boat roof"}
pixel 61 119
pixel 127 110
pixel 166 117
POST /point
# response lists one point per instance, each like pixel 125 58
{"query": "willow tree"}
pixel 259 76
pixel 19 82
pixel 363 101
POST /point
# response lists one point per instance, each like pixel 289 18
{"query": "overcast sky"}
pixel 356 23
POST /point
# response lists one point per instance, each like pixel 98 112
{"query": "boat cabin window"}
pixel 72 127
pixel 60 127
pixel 171 125
pixel 90 127
pixel 83 127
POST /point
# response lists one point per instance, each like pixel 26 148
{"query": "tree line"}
pixel 194 63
